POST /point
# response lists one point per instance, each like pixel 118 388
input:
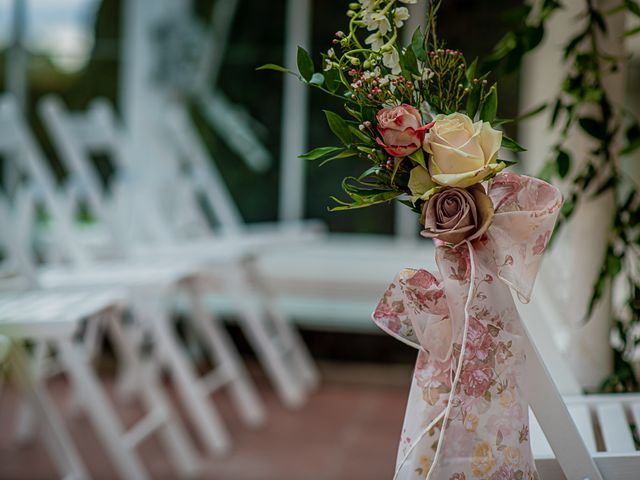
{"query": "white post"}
pixel 567 278
pixel 295 114
pixel 406 226
pixel 16 72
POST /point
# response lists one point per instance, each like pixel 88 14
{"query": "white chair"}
pixel 278 346
pixel 56 319
pixel 148 289
pixel 580 437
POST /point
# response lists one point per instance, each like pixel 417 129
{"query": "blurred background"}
pixel 151 187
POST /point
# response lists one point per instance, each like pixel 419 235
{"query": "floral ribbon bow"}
pixel 467 380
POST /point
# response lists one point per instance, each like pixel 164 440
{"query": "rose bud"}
pixel 454 215
pixel 401 130
pixel 462 152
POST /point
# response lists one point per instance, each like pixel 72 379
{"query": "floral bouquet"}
pixel 425 121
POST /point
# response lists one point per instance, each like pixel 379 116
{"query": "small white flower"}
pixel 331 53
pixel 400 15
pixel 327 65
pixel 375 40
pixel 391 60
pixel 369 74
pixel 377 21
pixel 383 81
pixel 615 340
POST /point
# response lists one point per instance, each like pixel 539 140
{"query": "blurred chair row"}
pixel 66 285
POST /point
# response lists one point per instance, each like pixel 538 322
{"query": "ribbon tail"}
pixel 444 415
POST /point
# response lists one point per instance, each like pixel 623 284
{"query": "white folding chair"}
pixel 278 346
pixel 67 322
pixel 580 437
pixel 148 288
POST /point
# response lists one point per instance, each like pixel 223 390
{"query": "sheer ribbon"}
pixel 465 325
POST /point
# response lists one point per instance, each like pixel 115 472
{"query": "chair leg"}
pixel 242 390
pixel 26 424
pixel 100 412
pixel 301 358
pixel 271 355
pixel 203 414
pixel 173 434
pixel 57 439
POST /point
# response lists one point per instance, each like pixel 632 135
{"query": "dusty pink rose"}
pixel 454 215
pixel 401 130
pixel 476 378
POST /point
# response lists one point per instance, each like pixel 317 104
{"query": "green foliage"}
pixel 583 90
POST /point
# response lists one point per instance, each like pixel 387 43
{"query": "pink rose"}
pixel 401 129
pixel 476 378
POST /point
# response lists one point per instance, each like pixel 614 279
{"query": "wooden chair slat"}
pixel 615 428
pixel 582 418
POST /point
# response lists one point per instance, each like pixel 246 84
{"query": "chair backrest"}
pixel 34 184
pixel 168 194
pixel 119 199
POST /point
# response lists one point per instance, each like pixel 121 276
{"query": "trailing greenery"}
pixel 584 105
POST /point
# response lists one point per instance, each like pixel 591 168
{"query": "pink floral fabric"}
pixel 467 414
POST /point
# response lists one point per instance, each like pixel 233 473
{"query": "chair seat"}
pixel 46 313
pixel 162 274
pixel 606 424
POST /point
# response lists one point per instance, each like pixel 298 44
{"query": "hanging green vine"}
pixel 583 104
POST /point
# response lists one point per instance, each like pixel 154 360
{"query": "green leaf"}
pixel 593 127
pixel 418 157
pixel 417 45
pixel 317 79
pixel 409 64
pixel 360 135
pixel 320 152
pixel 473 102
pixel 633 7
pixel 632 32
pixel 555 112
pixel 305 64
pixel 369 171
pixel 354 113
pixel 471 71
pixel 338 126
pixel 563 163
pixel 332 80
pixel 276 68
pixel 598 19
pixel 366 201
pixel 343 154
pixel 512 145
pixel 490 106
pixel 508 163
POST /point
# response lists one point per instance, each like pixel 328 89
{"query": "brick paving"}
pixel 347 431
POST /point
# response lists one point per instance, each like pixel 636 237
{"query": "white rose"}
pixel 462 153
